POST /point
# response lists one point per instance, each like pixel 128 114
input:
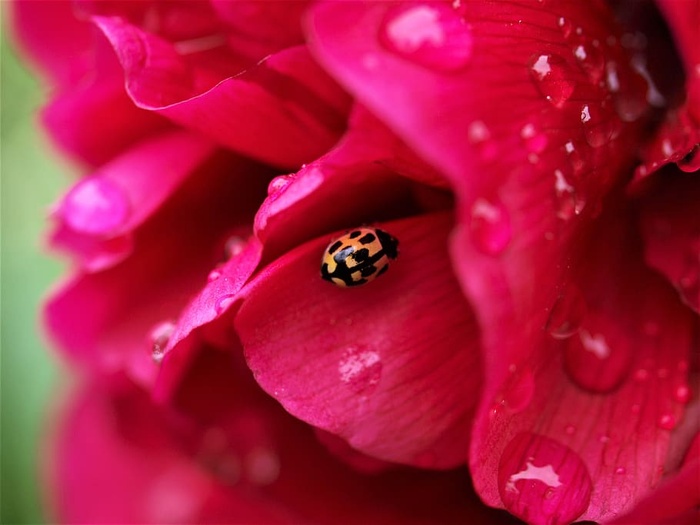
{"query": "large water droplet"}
pixel 360 368
pixel 158 338
pixel 597 361
pixel 567 314
pixel 434 36
pixel 95 206
pixel 553 78
pixel 490 226
pixel 277 184
pixel 543 481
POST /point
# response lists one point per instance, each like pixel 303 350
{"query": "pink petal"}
pixel 395 357
pixel 671 227
pixel 113 319
pixel 54 38
pixel 292 111
pixel 581 398
pixel 477 90
pixel 98 216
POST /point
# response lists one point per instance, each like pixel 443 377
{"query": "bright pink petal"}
pixel 114 319
pixel 291 109
pixel 670 224
pixel 578 413
pixel 97 218
pixel 396 357
pixel 54 38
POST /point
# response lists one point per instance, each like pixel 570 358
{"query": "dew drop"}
pixel 620 471
pixel 567 314
pixel 553 78
pixel 599 126
pixel 490 226
pixel 570 430
pixel 234 245
pixel 565 25
pixel 213 275
pixel 597 361
pixel 568 203
pixel 591 61
pixel 95 206
pixel 223 303
pixel 667 421
pixel 691 162
pixel 433 36
pixel 682 394
pixel 540 480
pixel 277 184
pixel 535 142
pixel 261 466
pixel 158 338
pixel 360 368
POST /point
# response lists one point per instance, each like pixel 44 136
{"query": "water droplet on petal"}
pixel 213 275
pixel 158 338
pixel 490 226
pixel 234 246
pixel 565 25
pixel 360 368
pixel 591 61
pixel 599 126
pixel 543 481
pixel 433 36
pixel 518 391
pixel 612 80
pixel 223 303
pixel 553 78
pixel 262 466
pixel 277 184
pixel 682 394
pixel 535 142
pixel 95 206
pixel 640 375
pixel 667 421
pixel 597 361
pixel 568 203
pixel 570 430
pixel 691 162
pixel 567 314
pixel 620 471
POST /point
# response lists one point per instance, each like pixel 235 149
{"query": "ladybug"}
pixel 358 257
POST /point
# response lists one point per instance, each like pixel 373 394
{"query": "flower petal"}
pixel 601 356
pixel 671 227
pixel 108 319
pixel 368 362
pixel 291 109
pixel 98 216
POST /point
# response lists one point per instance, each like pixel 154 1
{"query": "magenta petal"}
pixel 293 112
pixel 114 319
pixel 580 404
pixel 396 357
pixel 671 227
pixel 98 216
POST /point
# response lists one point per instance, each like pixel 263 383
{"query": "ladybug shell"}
pixel 358 257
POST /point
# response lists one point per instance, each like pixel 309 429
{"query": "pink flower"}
pixel 539 326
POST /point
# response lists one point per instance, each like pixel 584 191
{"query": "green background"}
pixel 31 176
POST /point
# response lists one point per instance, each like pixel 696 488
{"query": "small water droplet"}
pixel 620 471
pixel 478 132
pixel 568 202
pixel 567 314
pixel 277 184
pixel 591 61
pixel 565 25
pixel 641 375
pixel 95 206
pixel 213 275
pixel 599 126
pixel 535 142
pixel 553 78
pixel 570 430
pixel 518 391
pixel 604 439
pixel 667 421
pixel 360 368
pixel 234 246
pixel 261 466
pixel 597 361
pixel 223 303
pixel 434 36
pixel 682 393
pixel 540 480
pixel 158 338
pixel 490 226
